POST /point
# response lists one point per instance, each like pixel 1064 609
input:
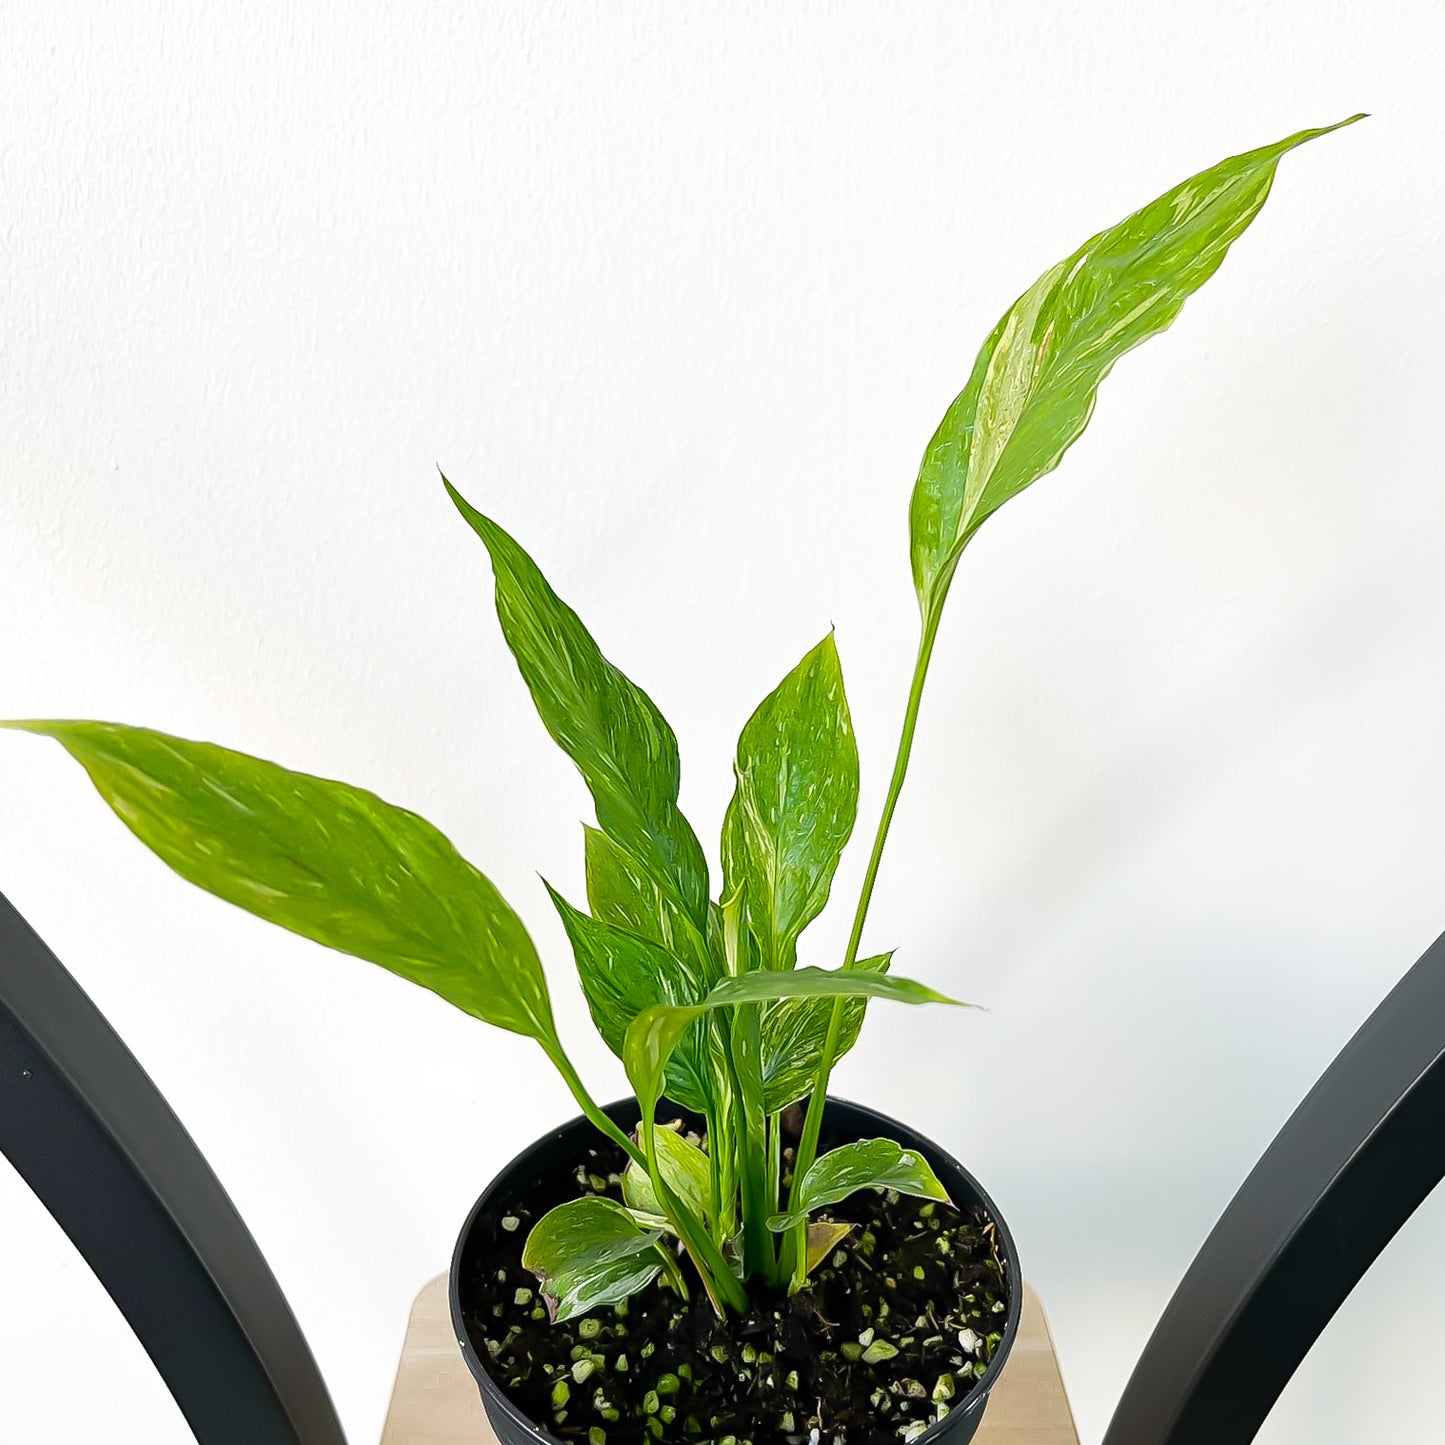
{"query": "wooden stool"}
pixel 435 1401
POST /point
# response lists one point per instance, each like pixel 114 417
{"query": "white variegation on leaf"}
pixel 590 1252
pixel 684 1170
pixel 331 862
pixel 622 974
pixel 794 805
pixel 792 1035
pixel 702 999
pixel 654 1033
pixel 1034 383
pixel 599 717
pixel 620 891
pixel 881 1163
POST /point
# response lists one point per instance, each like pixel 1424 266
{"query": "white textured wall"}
pixel 678 293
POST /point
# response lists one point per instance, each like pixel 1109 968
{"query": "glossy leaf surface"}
pixel 620 891
pixel 603 721
pixel 326 860
pixel 684 1170
pixel 590 1252
pixel 851 1167
pixel 793 1033
pixel 794 804
pixel 654 1033
pixel 1034 383
pixel 621 975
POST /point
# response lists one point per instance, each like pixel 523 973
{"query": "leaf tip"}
pixel 40 727
pixel 1319 131
pixel 482 525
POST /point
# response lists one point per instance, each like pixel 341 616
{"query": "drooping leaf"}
pixel 794 805
pixel 793 1033
pixel 590 1252
pixel 823 983
pixel 1034 383
pixel 651 1038
pixel 326 860
pixel 620 891
pixel 603 721
pixel 851 1167
pixel 684 1169
pixel 621 975
pixel 655 1032
pixel 823 1238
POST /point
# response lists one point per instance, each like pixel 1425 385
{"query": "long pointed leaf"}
pixel 331 862
pixel 1034 383
pixel 794 805
pixel 602 720
pixel 655 1033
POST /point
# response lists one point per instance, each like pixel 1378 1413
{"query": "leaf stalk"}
pixel 817 1101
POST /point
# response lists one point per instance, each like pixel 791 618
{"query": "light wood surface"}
pixel 435 1401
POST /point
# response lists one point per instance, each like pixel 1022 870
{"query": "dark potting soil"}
pixel 891 1334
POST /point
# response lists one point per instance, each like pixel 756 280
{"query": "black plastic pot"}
pixel 544 1172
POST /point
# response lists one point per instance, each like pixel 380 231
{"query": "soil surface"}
pixel 890 1335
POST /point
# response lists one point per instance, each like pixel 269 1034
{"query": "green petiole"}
pixel 797 1247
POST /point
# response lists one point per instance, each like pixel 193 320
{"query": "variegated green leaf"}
pixel 793 1031
pixel 1034 383
pixel 883 1163
pixel 655 1032
pixel 590 1252
pixel 620 891
pixel 331 862
pixel 602 720
pixel 684 1169
pixel 794 805
pixel 621 975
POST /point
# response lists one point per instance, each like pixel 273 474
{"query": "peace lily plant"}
pixel 701 996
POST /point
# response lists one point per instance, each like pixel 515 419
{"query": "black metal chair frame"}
pixel 95 1140
pixel 92 1136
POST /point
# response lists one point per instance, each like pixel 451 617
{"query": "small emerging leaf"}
pixel 794 805
pixel 600 718
pixel 331 862
pixel 851 1167
pixel 1034 383
pixel 590 1252
pixel 684 1169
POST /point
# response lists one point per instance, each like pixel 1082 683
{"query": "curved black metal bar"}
pixel 1347 1170
pixel 95 1140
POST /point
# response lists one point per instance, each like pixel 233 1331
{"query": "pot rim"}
pixel 978 1391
